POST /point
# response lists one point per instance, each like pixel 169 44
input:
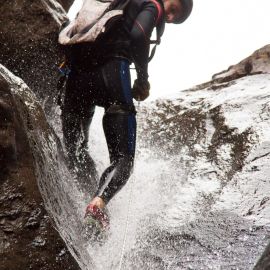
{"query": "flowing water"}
pixel 162 219
pixel 174 213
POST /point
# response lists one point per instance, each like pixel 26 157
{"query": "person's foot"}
pixel 98 215
pixel 98 202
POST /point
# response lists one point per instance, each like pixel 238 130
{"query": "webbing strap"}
pixel 156 42
pixel 152 54
pixel 158 38
pixel 157 4
pixel 121 109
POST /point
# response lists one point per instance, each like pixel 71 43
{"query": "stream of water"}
pixel 162 219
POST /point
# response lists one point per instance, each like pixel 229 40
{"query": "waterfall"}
pixel 198 197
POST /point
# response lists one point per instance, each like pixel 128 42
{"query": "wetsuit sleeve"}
pixel 140 37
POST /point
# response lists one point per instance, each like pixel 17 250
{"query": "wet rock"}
pixel 66 4
pixel 219 134
pixel 11 215
pixel 24 222
pixel 264 261
pixel 258 62
pixel 219 131
pixel 28 43
pixel 215 241
pixel 39 242
pixel 7 229
pixel 33 222
pixel 218 240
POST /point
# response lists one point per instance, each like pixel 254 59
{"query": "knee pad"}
pixel 121 109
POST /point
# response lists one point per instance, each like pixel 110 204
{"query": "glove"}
pixel 140 90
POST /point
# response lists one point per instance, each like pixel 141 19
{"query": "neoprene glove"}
pixel 140 90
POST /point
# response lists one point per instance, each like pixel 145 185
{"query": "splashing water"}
pixel 141 197
pixel 131 209
pixel 162 218
pixel 180 215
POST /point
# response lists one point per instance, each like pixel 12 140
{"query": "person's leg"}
pixel 87 167
pixel 77 115
pixel 120 132
pixel 71 121
pixel 119 125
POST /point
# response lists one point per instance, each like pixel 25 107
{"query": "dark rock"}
pixel 66 4
pixel 264 262
pixel 28 43
pixel 256 63
pixel 33 221
pixel 216 135
pixel 24 243
pixel 215 241
pixel 39 242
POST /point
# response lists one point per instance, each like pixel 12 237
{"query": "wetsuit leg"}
pixel 77 114
pixel 119 126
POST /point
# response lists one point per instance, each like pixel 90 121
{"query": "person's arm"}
pixel 140 37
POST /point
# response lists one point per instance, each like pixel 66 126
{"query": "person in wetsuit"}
pixel 100 76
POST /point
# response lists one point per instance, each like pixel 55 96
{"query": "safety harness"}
pixel 94 19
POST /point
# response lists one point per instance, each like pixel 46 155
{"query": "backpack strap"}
pixel 156 42
pixel 159 29
pixel 158 6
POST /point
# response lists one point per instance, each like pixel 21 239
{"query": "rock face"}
pixel 264 262
pixel 28 238
pixel 258 62
pixel 66 4
pixel 220 133
pixel 217 132
pixel 28 43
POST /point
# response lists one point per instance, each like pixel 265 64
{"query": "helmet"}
pixel 187 8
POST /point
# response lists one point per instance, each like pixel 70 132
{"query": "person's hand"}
pixel 140 90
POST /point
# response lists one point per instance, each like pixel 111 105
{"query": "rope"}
pixel 127 220
pixel 126 226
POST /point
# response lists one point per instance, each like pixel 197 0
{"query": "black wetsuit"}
pixel 101 77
